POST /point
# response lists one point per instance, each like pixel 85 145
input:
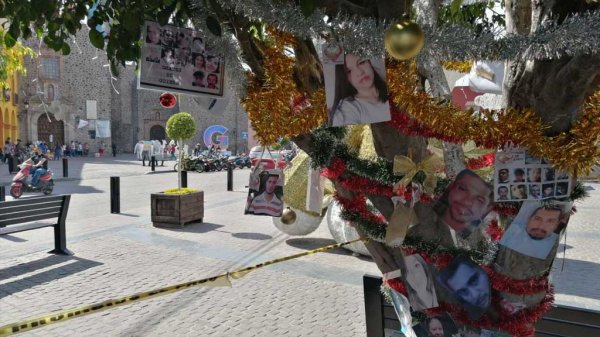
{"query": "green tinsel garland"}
pixel 376 231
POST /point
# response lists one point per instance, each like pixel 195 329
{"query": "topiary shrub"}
pixel 180 126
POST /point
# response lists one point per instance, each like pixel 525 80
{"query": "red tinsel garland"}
pixel 494 231
pixel 519 287
pixel 506 209
pixel 335 170
pixel 366 185
pixel 486 160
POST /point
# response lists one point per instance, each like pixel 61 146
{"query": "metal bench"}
pixel 26 214
pixel 560 321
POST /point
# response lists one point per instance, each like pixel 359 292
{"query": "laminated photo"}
pixel 469 284
pixel 536 228
pixel 465 203
pixel 527 177
pixel 436 326
pixel 355 88
pixel 265 193
pixel 420 284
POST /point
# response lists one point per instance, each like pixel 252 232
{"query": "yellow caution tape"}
pixel 216 281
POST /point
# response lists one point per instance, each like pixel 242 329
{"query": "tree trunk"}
pixel 180 162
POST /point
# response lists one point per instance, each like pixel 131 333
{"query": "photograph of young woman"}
pixel 360 93
pixel 419 283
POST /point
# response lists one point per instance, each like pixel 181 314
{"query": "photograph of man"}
pixel 469 284
pixel 183 39
pixel 518 192
pixel 535 191
pixel 198 45
pixel 502 193
pixel 503 175
pixel 212 64
pixel 198 79
pixel 356 91
pixel 548 174
pixel 419 283
pixel 167 38
pixel 465 203
pixel 519 175
pixel 562 189
pixel 534 175
pixel 268 200
pixel 211 81
pixel 436 326
pixel 535 229
pixel 152 33
pixel 547 190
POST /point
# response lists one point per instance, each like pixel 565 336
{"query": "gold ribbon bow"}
pixel 404 166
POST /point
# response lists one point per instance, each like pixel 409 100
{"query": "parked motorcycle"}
pixel 19 182
pixel 191 164
pixel 242 162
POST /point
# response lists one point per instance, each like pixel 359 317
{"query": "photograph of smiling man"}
pixel 356 90
pixel 465 203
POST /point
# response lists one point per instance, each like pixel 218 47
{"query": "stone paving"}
pixel 122 254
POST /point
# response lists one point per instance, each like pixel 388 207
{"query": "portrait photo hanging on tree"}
pixel 536 228
pixel 265 192
pixel 355 87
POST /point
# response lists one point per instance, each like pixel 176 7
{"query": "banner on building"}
pixel 177 59
pixel 102 129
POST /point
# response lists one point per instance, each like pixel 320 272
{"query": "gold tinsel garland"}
pixel 574 151
pixel 460 66
pixel 271 116
pixel 269 106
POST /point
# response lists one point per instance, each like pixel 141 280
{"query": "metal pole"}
pixel 2 194
pixel 183 179
pixel 65 167
pixel 229 178
pixel 115 195
pixel 152 163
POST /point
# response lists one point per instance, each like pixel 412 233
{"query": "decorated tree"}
pixel 552 107
pixel 180 126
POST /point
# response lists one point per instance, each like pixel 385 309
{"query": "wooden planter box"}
pixel 176 210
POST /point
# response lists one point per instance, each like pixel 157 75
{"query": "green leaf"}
pixel 455 6
pixel 213 25
pixel 96 39
pixel 9 41
pixel 66 49
pixel 308 7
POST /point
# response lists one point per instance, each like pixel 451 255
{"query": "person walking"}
pixel 114 149
pixel 57 152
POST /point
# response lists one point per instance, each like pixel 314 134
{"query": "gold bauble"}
pixel 404 39
pixel 288 216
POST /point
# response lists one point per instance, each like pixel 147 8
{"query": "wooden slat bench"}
pixel 560 321
pixel 25 214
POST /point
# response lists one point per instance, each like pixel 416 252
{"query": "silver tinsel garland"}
pixel 576 35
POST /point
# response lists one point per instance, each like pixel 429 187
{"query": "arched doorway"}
pixel 157 132
pixel 51 126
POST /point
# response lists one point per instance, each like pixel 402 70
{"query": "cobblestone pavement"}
pixel 122 254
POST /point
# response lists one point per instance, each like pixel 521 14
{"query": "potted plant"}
pixel 178 206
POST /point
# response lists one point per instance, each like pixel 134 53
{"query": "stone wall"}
pixel 84 75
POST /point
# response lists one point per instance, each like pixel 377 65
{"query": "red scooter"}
pixel 19 183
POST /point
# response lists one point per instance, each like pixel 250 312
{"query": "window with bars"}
pixel 50 68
